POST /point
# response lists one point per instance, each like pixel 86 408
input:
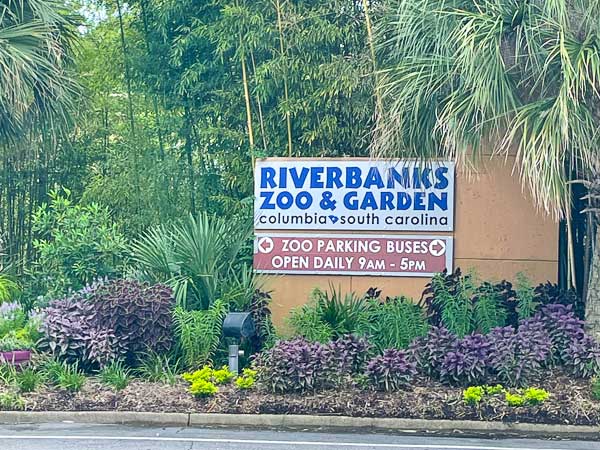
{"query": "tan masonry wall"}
pixel 497 231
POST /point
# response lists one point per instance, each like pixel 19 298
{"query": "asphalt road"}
pixel 69 436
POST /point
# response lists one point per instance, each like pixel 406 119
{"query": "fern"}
pixel 526 303
pixel 199 333
pixel 489 313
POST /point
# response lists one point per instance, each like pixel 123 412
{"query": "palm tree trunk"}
pixel 592 303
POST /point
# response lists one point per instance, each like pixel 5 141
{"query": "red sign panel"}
pixel 415 256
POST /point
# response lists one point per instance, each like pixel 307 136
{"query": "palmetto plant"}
pixel 35 88
pixel 200 258
pixel 518 76
pixel 523 74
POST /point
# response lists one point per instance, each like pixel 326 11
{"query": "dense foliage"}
pixel 108 321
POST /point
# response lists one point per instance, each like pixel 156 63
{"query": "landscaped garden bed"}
pixel 570 402
pixel 470 349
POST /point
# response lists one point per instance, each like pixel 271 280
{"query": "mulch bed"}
pixel 570 402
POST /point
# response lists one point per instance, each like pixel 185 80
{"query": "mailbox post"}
pixel 239 326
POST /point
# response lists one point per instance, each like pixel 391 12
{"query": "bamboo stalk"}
pixel 247 101
pixel 378 99
pixel 285 77
pixel 126 67
pixel 259 106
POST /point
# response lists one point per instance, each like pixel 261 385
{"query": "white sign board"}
pixel 346 194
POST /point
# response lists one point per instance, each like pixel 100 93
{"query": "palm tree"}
pixel 35 88
pixel 524 74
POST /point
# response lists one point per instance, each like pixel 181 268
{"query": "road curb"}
pixel 463 427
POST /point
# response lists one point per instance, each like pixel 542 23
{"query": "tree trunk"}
pixel 592 304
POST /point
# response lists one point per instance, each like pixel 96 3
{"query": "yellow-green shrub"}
pixel 535 396
pixel 247 380
pixel 203 388
pixel 473 395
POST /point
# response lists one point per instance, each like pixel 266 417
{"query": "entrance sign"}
pixel 350 254
pixel 346 194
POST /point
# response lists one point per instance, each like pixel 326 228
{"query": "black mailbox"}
pixel 239 325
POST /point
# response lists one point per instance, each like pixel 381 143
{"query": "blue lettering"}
pixel 350 201
pixel 442 180
pixel 373 178
pixel 267 177
pixel 395 176
pixel 353 179
pixel 416 179
pixel 425 178
pixel 441 201
pixel 299 179
pixel 315 178
pixel 369 201
pixel 334 175
pixel 267 203
pixel 404 201
pixel 419 201
pixel 304 200
pixel 387 201
pixel 285 200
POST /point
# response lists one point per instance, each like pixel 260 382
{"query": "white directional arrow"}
pixel 437 247
pixel 265 245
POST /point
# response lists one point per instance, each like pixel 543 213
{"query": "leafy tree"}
pixel 77 244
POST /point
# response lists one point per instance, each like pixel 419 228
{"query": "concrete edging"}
pixel 296 421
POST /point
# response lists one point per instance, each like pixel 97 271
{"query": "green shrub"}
pixel 222 376
pixel 11 401
pixel 494 390
pixel 306 321
pixel 12 318
pixel 70 378
pixel 77 244
pixel 203 388
pixel 115 375
pixel 596 388
pixel 535 396
pixel 29 379
pixel 8 374
pixel 526 303
pixel 158 368
pixel 473 395
pixel 345 314
pixel 199 333
pixel 488 311
pixel 51 368
pixel 330 315
pixel 9 288
pixel 452 297
pixel 216 376
pixel 395 323
pixel 247 380
pixel 514 399
pixel 11 341
pixel 203 374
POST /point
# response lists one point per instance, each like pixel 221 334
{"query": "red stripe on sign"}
pixel 350 254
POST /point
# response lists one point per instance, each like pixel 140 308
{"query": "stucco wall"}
pixel 497 231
